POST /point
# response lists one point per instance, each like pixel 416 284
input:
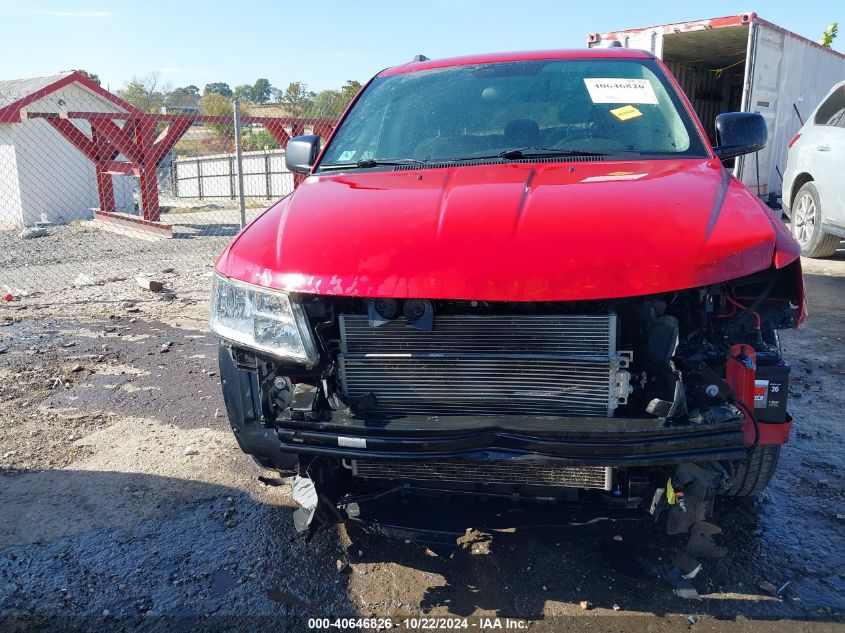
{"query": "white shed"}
pixel 43 177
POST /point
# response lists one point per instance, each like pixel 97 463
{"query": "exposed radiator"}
pixel 509 472
pixel 486 364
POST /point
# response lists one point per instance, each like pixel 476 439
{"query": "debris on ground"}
pixel 32 232
pixel 305 495
pixel 190 450
pixel 768 587
pixel 148 283
pixel 271 481
pixel 687 565
pixel 586 605
pixel 478 543
pixel 83 280
pixel 682 587
pixel 701 542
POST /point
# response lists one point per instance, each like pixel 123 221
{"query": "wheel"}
pixel 755 473
pixel 807 224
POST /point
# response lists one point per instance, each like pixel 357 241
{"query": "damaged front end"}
pixel 604 405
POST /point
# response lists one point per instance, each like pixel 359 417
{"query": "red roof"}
pixel 19 93
pixel 492 58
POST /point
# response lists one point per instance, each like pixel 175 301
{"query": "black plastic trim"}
pixel 566 441
pixel 243 406
pixel 610 451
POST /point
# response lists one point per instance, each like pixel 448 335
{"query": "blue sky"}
pixel 325 43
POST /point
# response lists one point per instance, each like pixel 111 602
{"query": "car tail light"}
pixel 792 142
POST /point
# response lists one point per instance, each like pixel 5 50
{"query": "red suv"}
pixel 522 277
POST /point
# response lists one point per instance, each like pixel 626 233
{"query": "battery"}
pixel 771 387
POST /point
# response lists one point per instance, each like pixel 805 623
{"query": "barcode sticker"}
pixel 610 90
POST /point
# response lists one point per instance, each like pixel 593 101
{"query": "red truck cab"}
pixel 525 277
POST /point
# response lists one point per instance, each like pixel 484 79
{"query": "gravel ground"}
pixel 126 503
pixel 88 248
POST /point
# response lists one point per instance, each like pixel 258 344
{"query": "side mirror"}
pixel 739 133
pixel 301 153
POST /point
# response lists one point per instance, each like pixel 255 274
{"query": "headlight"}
pixel 263 320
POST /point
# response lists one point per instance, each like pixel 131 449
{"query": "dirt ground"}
pixel 125 502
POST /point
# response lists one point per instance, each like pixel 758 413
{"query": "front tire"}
pixel 807 224
pixel 754 474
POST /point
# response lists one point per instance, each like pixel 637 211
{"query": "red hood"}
pixel 511 232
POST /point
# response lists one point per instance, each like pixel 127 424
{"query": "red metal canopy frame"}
pixel 133 148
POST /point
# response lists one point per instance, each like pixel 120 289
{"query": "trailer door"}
pixel 763 77
pixel 788 77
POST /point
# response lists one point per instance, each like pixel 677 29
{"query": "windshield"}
pixel 514 110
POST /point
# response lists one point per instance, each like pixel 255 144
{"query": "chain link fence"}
pixel 93 189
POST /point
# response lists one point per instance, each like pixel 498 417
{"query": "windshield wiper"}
pixel 530 152
pixel 366 163
pixel 377 162
pixel 511 154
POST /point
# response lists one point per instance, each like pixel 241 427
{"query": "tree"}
pixel 144 93
pixel 243 92
pixel 184 98
pixel 261 91
pixel 216 104
pixel 89 76
pixel 328 104
pixel 187 91
pixel 296 98
pixel 260 139
pixel 349 90
pixel 829 35
pixel 219 87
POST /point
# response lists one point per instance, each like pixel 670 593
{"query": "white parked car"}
pixel 814 180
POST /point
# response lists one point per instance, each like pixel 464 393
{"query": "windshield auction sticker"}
pixel 626 112
pixel 610 90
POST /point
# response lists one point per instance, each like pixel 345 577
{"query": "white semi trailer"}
pixel 742 63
